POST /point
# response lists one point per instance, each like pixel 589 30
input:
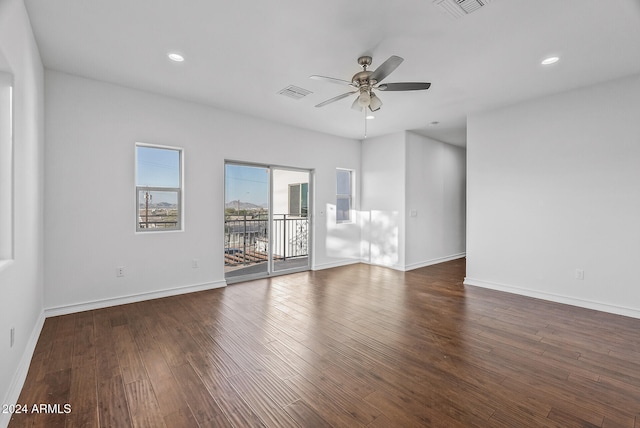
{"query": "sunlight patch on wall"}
pixel 339 242
pixel 380 243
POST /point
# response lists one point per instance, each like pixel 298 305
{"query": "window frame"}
pixel 7 170
pixel 179 227
pixel 345 196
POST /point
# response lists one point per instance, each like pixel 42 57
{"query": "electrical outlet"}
pixel 12 335
pixel 195 263
pixel 579 273
pixel 120 271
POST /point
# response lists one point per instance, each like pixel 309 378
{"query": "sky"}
pixel 247 184
pixel 158 168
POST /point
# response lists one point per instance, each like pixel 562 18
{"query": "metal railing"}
pixel 290 235
pixel 247 240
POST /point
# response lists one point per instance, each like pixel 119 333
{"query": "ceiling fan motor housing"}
pixel 362 78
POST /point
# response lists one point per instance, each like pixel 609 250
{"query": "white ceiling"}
pixel 239 54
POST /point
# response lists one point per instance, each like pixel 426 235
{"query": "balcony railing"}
pixel 247 241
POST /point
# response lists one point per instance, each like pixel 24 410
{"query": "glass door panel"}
pixel 246 221
pixel 290 219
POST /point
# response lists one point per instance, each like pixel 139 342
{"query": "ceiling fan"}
pixel 365 82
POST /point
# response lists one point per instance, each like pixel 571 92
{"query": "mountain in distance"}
pixel 159 205
pixel 243 205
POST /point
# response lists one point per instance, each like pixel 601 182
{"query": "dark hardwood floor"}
pixel 347 347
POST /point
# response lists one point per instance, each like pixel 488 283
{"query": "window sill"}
pixel 158 231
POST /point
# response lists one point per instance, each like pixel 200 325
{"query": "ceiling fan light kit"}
pixel 365 82
pixel 364 99
pixel 375 103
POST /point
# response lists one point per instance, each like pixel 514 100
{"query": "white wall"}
pixel 90 210
pixel 21 278
pixel 382 200
pixel 554 186
pixel 435 201
pixel 406 173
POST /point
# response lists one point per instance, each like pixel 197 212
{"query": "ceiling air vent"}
pixel 294 92
pixel 459 8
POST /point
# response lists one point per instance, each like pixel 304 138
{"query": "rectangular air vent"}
pixel 459 8
pixel 294 92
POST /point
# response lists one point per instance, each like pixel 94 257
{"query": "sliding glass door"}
pixel 266 221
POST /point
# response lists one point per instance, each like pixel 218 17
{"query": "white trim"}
pixel 603 307
pixel 339 263
pixel 434 261
pixel 7 186
pixel 123 300
pixel 413 266
pixel 20 375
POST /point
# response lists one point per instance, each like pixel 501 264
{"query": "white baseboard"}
pixel 123 300
pixel 425 263
pixel 335 264
pixel 602 307
pixel 20 375
pixel 434 261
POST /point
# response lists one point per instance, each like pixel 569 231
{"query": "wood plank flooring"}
pixel 356 346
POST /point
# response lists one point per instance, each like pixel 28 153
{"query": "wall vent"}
pixel 459 8
pixel 294 92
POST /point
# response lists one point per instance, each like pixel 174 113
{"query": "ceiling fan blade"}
pixel 331 79
pixel 334 99
pixel 386 68
pixel 404 86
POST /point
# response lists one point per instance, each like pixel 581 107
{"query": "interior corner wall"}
pixel 21 280
pixel 435 201
pixel 382 200
pixel 554 190
pixel 92 128
pixel 405 174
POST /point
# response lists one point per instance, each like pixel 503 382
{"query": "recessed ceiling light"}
pixel 550 60
pixel 434 123
pixel 175 57
pixel 371 117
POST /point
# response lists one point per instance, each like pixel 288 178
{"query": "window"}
pixel 343 195
pixel 158 188
pixel 6 167
pixel 299 199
